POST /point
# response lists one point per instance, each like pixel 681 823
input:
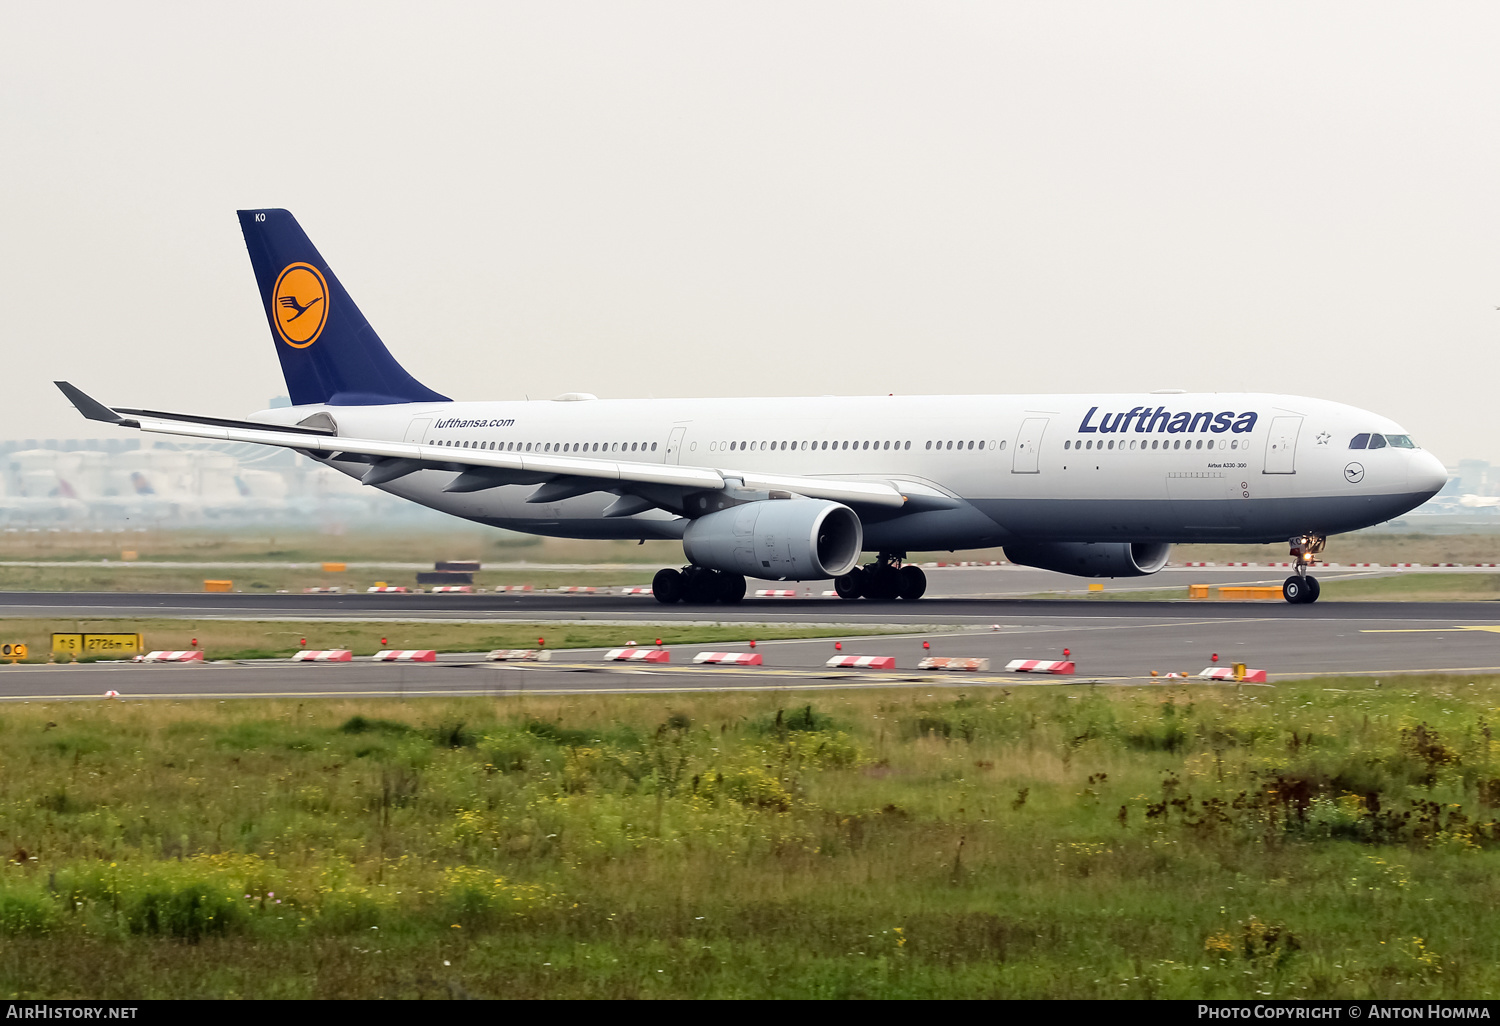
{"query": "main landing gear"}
pixel 883 580
pixel 1302 587
pixel 697 585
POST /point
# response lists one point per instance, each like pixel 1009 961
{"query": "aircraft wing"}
pixel 559 476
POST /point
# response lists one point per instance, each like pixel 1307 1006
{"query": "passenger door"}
pixel 674 445
pixel 1281 445
pixel 1028 446
pixel 416 431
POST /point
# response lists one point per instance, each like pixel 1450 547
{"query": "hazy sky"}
pixel 765 199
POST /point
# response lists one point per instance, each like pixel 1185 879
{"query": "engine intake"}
pixel 1093 559
pixel 781 539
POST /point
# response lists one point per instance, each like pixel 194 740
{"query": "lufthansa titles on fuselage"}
pixel 459 422
pixel 1161 419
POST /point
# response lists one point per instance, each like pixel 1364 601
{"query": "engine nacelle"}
pixel 1093 559
pixel 781 539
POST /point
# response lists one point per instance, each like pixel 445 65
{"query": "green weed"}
pixel 1318 839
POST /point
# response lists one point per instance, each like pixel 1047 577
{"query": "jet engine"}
pixel 780 539
pixel 1093 559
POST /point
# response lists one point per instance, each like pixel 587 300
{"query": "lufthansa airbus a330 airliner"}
pixel 797 489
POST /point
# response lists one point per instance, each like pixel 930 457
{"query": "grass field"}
pixel 128 577
pixel 311 546
pixel 1329 839
pixel 270 639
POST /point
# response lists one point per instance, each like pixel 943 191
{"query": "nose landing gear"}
pixel 1302 587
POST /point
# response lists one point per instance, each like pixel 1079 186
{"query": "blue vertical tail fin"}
pixel 329 353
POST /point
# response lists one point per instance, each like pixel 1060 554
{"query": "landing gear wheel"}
pixel 850 586
pixel 731 587
pixel 882 582
pixel 913 583
pixel 700 586
pixel 1300 590
pixel 667 586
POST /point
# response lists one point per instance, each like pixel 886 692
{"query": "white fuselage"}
pixel 1145 467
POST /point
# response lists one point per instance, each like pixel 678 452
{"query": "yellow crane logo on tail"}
pixel 299 305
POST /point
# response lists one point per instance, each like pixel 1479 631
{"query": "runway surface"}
pixel 1113 643
pixel 978 582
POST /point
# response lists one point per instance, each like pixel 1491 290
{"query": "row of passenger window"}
pixel 1174 443
pixel 963 445
pixel 554 447
pixel 807 446
pixel 1381 441
pixel 843 446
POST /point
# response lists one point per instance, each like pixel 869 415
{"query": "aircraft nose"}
pixel 1427 474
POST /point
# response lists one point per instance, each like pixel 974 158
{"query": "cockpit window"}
pixel 1360 441
pixel 1400 441
pixel 1377 441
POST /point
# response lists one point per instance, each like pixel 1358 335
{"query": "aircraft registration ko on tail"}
pixel 797 489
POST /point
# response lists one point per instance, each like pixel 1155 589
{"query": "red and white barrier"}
pixel 387 590
pixel 1403 564
pixel 1241 564
pixel 512 587
pixel 322 591
pixel 1039 666
pixel 950 663
pixel 192 656
pixel 327 655
pixel 636 591
pixel 728 658
pixel 864 662
pixel 830 594
pixel 776 593
pixel 576 589
pixel 520 655
pixel 1224 673
pixel 453 589
pixel 1201 564
pixel 405 655
pixel 638 655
